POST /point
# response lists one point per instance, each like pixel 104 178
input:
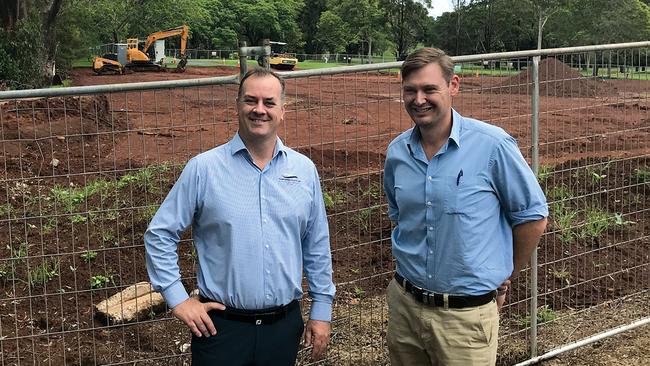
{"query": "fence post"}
pixel 243 68
pixel 535 163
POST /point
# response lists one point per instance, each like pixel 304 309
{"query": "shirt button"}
pixel 268 296
pixel 264 221
pixel 428 203
pixel 430 228
pixel 266 246
pixel 430 178
pixel 263 197
pixel 429 276
pixel 431 252
pixel 268 271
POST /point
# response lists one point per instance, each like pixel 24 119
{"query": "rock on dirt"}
pixel 131 304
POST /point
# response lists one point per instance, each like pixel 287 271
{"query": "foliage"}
pixel 333 34
pixel 88 256
pixel 47 270
pixel 100 281
pixel 596 222
pixel 642 175
pixel 544 314
pixel 406 22
pixel 561 192
pixel 563 221
pixel 21 54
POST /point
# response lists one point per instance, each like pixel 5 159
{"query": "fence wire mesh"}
pixel 83 175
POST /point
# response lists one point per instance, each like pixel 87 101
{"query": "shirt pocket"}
pixel 461 194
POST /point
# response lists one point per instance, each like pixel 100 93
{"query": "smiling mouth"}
pixel 422 109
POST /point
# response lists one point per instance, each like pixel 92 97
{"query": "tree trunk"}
pixel 49 31
pixel 540 25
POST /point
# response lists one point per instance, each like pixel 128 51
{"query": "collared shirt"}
pixel 455 213
pixel 254 231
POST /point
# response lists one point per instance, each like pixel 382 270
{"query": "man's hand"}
pixel 195 314
pixel 317 334
pixel 501 293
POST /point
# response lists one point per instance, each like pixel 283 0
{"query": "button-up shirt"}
pixel 253 230
pixel 454 214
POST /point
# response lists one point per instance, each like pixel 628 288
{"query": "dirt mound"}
pixel 556 79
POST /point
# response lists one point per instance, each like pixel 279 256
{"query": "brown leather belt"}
pixel 437 299
pixel 257 317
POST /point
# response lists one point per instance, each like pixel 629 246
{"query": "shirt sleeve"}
pixel 163 235
pixel 317 257
pixel 389 187
pixel 515 184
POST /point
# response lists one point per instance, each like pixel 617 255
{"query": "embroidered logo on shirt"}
pixel 289 177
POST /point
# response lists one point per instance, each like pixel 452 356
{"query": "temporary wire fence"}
pixel 85 169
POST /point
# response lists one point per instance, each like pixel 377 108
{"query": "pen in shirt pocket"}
pixel 460 174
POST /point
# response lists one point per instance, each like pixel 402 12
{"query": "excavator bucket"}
pixel 181 64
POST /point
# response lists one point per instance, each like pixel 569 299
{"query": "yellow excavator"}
pixel 138 60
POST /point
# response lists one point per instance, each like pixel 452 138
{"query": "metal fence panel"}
pixel 85 169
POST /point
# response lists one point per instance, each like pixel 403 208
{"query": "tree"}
pixel 273 19
pixel 364 19
pixel 406 21
pixel 308 21
pixel 332 32
pixel 30 42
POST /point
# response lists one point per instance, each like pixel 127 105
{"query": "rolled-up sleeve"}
pixel 516 186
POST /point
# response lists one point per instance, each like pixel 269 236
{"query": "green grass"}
pixel 82 63
pixel 333 198
pixel 544 314
pixel 544 172
pixel 563 221
pixel 40 275
pixel 596 222
pixel 631 74
pixel 557 193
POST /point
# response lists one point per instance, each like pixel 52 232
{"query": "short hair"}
pixel 425 56
pixel 260 72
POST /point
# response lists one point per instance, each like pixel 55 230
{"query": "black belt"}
pixel 257 317
pixel 436 299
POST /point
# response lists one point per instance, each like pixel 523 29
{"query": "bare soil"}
pixel 85 174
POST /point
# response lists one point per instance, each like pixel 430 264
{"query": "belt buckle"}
pixel 258 321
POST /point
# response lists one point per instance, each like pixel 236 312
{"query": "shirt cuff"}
pixel 175 294
pixel 321 311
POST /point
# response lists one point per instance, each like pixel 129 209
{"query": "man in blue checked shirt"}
pixel 258 219
pixel 468 213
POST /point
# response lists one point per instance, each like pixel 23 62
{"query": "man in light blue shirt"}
pixel 258 219
pixel 468 212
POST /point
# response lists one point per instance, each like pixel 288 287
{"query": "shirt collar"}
pixel 454 135
pixel 237 144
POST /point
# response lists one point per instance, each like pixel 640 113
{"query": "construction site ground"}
pixel 344 123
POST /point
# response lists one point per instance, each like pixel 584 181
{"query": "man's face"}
pixel 260 107
pixel 427 96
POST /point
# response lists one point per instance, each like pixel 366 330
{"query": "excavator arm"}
pixel 183 31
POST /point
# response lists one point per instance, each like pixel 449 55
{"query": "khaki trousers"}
pixel 420 334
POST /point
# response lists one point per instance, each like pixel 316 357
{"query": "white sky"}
pixel 439 7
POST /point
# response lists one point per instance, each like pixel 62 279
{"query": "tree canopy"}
pixel 35 35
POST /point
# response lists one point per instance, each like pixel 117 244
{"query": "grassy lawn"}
pixel 464 70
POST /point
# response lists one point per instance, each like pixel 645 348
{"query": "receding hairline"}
pixel 260 73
